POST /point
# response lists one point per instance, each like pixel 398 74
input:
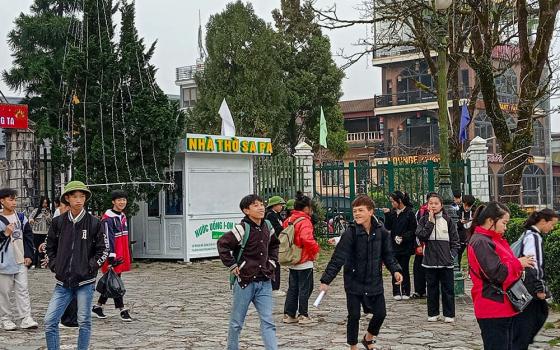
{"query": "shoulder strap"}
pixel 269 225
pixel 245 231
pixel 4 220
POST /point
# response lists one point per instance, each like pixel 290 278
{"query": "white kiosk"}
pixel 212 173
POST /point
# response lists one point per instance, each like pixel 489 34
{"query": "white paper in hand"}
pixel 319 298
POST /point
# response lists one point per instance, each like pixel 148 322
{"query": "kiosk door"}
pixel 153 244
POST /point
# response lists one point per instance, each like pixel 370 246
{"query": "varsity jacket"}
pixel 76 248
pixel 116 226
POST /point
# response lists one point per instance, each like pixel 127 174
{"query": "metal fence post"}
pixel 351 180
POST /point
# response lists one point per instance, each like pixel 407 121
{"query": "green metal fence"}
pixel 336 184
pixel 277 176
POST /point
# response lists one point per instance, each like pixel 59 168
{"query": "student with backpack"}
pixel 530 321
pixel 16 254
pixel 300 284
pixel 363 248
pixel 439 233
pixel 250 251
pixel 465 214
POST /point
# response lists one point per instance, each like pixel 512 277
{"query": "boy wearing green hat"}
pixel 273 210
pixel 77 246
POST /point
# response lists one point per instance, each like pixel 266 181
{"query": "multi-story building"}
pixel 184 78
pixel 403 121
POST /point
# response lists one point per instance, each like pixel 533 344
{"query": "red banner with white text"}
pixel 13 116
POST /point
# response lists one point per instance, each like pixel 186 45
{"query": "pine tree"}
pixel 111 121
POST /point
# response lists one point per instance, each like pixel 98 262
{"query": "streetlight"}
pixel 444 184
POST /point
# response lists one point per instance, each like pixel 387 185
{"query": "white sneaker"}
pixel 433 319
pixel 405 297
pixel 28 323
pixel 8 325
pixel 449 320
pixel 278 293
pixel 397 297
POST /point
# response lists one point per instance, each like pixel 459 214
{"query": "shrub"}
pixel 515 211
pixel 552 263
pixel 514 229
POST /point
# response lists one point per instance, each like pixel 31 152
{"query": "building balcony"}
pixel 364 137
pixel 187 72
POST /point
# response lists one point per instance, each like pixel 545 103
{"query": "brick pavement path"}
pixel 186 306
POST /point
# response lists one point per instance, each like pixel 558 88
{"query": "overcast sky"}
pixel 174 24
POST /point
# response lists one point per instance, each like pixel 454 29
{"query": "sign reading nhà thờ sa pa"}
pixel 199 143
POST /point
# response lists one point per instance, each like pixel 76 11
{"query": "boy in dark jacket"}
pixel 273 210
pixel 253 265
pixel 16 252
pixel 362 249
pixel 77 246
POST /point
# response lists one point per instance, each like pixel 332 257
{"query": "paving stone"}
pixel 186 306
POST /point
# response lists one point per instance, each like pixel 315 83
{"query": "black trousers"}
pixel 37 257
pixel 70 316
pixel 497 333
pixel 276 281
pixel 300 286
pixel 527 324
pixel 374 304
pixel 419 272
pixel 119 302
pixel 440 278
pixel 404 261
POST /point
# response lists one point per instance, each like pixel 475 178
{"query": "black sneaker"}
pixel 98 311
pixel 417 296
pixel 125 316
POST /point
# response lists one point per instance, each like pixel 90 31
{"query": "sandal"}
pixel 367 343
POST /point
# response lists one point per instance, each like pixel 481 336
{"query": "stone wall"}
pixel 304 158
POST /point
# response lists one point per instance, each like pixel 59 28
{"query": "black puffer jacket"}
pixel 362 256
pixel 403 225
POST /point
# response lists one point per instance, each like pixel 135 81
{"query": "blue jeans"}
pixel 59 301
pixel 260 294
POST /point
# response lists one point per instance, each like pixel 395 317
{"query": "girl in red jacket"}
pixel 300 284
pixel 493 267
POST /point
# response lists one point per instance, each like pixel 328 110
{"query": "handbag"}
pixel 517 293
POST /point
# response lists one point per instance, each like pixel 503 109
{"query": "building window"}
pixel 190 95
pixel 534 185
pixel 538 148
pixel 556 192
pixel 407 84
pixel 483 126
pixel 332 173
pixel 506 86
pixel 418 135
pixel 174 196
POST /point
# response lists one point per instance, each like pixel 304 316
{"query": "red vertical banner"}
pixel 13 116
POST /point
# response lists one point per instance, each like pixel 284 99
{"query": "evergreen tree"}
pixel 243 66
pixel 113 122
pixel 311 76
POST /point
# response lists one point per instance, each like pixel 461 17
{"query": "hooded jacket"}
pixel 303 236
pixel 441 239
pixel 403 225
pixel 116 226
pixel 76 248
pixel 362 256
pixel 492 263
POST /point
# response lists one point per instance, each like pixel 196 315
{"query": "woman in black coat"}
pixel 401 223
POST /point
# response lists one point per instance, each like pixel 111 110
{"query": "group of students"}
pixel 76 245
pixel 438 243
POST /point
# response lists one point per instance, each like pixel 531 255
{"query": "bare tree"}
pixel 485 34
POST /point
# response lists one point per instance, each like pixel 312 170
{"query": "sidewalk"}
pixel 186 306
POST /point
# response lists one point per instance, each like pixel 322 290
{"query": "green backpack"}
pixel 241 230
pixel 289 253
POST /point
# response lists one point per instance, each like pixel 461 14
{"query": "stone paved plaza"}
pixel 185 306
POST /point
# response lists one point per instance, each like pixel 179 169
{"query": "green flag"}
pixel 323 130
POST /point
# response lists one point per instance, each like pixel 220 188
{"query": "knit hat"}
pixel 272 201
pixel 290 204
pixel 75 186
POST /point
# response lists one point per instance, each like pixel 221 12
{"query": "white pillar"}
pixel 20 157
pixel 478 155
pixel 304 160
